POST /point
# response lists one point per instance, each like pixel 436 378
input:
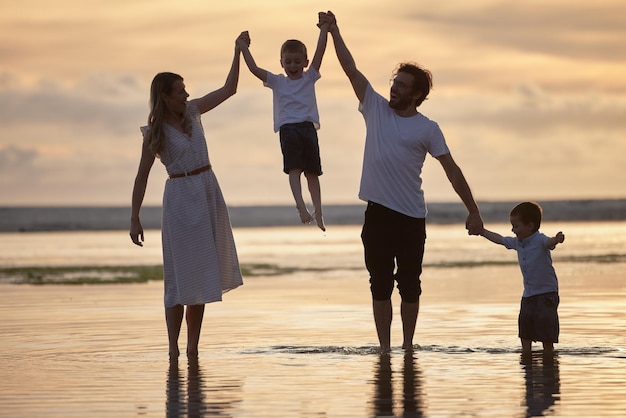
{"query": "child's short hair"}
pixel 528 212
pixel 293 45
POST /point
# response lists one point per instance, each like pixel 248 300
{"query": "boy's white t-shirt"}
pixel 535 262
pixel 395 150
pixel 294 100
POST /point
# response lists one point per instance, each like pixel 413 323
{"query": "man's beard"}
pixel 400 103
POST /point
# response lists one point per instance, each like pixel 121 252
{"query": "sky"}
pixel 531 96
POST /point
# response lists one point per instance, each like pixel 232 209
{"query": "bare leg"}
pixel 526 346
pixel 313 182
pixel 296 190
pixel 408 312
pixel 383 314
pixel 548 347
pixel 174 320
pixel 195 313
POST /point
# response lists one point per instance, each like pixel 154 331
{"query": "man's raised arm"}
pixel 357 79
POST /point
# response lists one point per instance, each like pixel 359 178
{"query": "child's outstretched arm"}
pixel 321 45
pixel 492 236
pixel 557 239
pixel 260 73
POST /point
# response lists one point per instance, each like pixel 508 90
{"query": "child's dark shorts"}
pixel 538 319
pixel 393 239
pixel 301 151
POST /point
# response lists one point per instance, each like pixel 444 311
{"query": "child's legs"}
pixel 292 148
pixel 525 324
pixel 313 181
pixel 539 321
pixel 312 170
pixel 548 347
pixel 547 320
pixel 298 142
pixel 293 165
pixel 526 346
pixel 296 186
pixel 311 164
pixel 296 189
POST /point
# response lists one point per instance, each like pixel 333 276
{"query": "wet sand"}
pixel 304 345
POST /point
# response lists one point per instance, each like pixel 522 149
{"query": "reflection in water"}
pixel 383 402
pixel 543 383
pixel 174 406
pixel 194 397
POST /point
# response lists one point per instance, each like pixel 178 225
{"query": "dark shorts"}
pixel 390 240
pixel 538 319
pixel 301 151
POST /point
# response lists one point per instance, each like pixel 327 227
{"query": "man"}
pixel 397 140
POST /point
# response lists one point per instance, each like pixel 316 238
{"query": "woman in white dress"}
pixel 199 256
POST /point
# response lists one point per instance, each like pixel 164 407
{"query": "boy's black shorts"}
pixel 300 147
pixel 538 318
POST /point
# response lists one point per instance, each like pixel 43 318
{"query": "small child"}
pixel 538 319
pixel 296 117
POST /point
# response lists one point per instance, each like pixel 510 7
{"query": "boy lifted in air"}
pixel 296 117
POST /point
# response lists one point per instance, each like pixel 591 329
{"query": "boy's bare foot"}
pixel 409 348
pixel 305 216
pixel 319 220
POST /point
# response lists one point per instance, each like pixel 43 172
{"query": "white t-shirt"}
pixel 395 150
pixel 294 100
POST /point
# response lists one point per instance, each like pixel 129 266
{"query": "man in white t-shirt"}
pixel 397 140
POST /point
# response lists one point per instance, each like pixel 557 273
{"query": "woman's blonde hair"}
pixel 161 84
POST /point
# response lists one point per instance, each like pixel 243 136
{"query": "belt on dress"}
pixel 192 172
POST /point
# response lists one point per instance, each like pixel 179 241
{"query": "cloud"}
pixel 88 131
pixel 16 159
pixel 530 110
pixel 98 101
pixel 569 46
pixel 531 96
pixel 579 30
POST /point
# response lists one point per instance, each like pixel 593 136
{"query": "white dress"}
pixel 199 256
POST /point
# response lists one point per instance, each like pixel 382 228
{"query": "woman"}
pixel 199 256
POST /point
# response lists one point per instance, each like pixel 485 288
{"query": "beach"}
pixel 302 343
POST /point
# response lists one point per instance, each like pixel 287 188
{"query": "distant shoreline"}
pixel 77 218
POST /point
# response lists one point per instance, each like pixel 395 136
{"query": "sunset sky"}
pixel 530 95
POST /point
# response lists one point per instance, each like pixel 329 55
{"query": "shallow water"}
pixel 304 345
